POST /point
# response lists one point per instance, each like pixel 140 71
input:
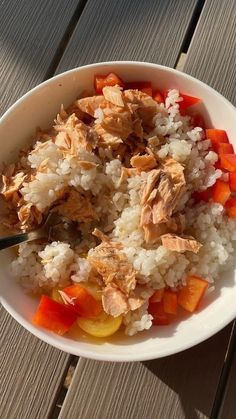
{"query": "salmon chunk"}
pixel 180 244
pixel 76 207
pixel 112 264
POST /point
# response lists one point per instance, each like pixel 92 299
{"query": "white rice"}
pixel 119 208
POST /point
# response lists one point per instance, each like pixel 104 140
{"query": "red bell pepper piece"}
pixel 217 136
pixel 143 86
pixel 54 316
pixel 187 101
pixel 111 79
pixel 157 96
pixel 202 195
pixel 232 181
pixel 198 121
pixel 230 207
pixel 157 296
pixel 190 295
pixel 170 302
pixel 223 148
pixel 160 318
pixel 82 301
pixel 220 192
pixel 228 162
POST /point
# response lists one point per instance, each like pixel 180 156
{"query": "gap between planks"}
pixel 65 40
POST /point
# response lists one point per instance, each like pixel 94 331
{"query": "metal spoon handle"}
pixel 10 241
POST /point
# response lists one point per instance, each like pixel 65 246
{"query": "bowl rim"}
pixel 49 337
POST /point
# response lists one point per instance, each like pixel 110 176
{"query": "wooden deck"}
pixel 38 40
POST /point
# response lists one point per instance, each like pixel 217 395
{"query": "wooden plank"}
pixel 31 372
pixel 173 387
pixel 212 53
pixel 151 30
pixel 30 38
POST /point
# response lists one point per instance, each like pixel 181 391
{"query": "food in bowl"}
pixel 152 193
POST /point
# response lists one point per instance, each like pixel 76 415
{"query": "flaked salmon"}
pixel 143 163
pixel 114 301
pixel 180 244
pixel 113 95
pixel 74 134
pixel 76 207
pixel 112 264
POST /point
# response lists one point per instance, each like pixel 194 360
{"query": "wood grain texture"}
pixel 150 30
pixel 31 373
pixel 212 53
pixel 179 386
pixel 31 32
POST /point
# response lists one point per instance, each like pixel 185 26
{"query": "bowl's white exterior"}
pixel 38 108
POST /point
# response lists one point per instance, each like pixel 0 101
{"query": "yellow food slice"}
pixel 101 326
pixel 55 295
pixel 93 289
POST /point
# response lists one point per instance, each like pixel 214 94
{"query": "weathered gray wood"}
pixel 31 372
pixel 31 32
pixel 212 53
pixel 150 30
pixel 173 387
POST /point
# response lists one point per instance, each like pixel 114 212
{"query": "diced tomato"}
pixel 157 296
pixel 230 207
pixel 160 318
pixel 157 96
pixel 170 302
pixel 220 192
pixel 228 162
pixel 82 301
pixel 217 136
pixel 54 316
pixel 187 101
pixel 223 148
pixel 190 295
pixel 143 86
pixel 111 79
pixel 198 120
pixel 202 195
pixel 232 181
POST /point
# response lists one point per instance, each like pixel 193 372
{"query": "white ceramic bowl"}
pixel 38 108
